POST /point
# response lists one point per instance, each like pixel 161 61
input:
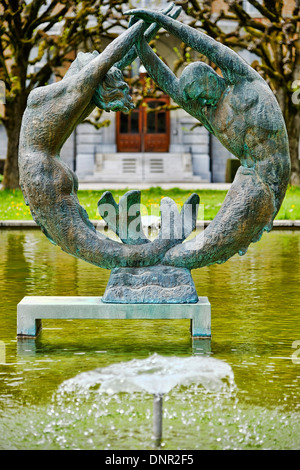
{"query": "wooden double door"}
pixel 145 129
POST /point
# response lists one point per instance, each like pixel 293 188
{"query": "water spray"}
pixel 156 375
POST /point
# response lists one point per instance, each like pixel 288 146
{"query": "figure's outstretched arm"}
pixel 118 52
pixel 158 70
pixel 92 74
pixel 149 35
pixel 132 54
pixel 232 65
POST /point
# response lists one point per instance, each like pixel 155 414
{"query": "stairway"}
pixel 146 167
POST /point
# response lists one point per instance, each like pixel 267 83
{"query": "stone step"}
pixel 156 167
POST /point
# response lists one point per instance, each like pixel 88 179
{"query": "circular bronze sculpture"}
pixel 238 108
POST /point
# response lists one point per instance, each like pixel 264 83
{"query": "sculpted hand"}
pixel 151 31
pixel 165 11
pixel 142 14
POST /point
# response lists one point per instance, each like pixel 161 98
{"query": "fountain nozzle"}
pixel 157 418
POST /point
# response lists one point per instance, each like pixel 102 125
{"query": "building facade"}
pixel 156 147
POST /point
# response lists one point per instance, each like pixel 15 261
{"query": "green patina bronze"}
pixel 238 108
pixel 49 186
pixel 242 112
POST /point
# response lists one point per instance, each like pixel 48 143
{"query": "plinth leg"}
pixel 201 322
pixel 27 325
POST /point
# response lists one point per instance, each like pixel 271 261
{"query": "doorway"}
pixel 145 129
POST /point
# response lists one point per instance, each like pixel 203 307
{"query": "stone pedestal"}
pixel 150 285
pixel 32 310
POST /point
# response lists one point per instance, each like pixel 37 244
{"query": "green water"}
pixel 255 328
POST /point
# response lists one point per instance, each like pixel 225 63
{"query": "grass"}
pixel 12 205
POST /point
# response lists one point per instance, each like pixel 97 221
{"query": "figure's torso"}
pixel 247 121
pixel 51 115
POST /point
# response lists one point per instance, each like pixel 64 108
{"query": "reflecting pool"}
pixel 255 303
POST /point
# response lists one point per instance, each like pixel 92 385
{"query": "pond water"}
pixel 255 303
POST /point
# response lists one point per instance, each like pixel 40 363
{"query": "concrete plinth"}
pixel 32 310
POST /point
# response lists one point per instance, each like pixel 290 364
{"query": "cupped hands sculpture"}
pixel 238 108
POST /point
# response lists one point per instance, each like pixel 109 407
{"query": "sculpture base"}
pixel 150 285
pixel 32 310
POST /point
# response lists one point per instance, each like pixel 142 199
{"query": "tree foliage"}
pixel 37 39
pixel 49 31
pixel 272 34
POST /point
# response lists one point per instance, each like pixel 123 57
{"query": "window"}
pixel 250 8
pixel 156 120
pixel 129 123
pixel 2 92
pixel 150 3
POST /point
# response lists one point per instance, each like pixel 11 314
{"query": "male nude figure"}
pixel 242 112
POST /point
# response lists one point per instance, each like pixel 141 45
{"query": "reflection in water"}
pixel 255 321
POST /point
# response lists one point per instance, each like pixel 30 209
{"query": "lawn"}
pixel 12 206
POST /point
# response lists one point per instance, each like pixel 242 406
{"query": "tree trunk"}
pixel 13 119
pixel 292 121
pixel 293 129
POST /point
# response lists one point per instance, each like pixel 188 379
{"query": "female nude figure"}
pixel 242 112
pixel 48 185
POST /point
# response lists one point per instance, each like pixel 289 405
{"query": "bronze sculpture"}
pixel 242 112
pixel 49 186
pixel 238 108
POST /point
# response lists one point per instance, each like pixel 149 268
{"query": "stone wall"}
pixel 193 140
